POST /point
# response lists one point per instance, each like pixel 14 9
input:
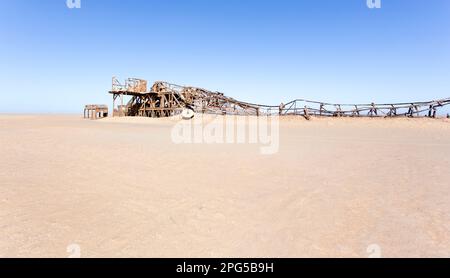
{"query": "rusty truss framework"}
pixel 166 99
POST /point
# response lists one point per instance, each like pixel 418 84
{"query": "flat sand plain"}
pixel 122 188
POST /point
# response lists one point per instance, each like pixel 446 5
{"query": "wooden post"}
pixel 392 111
pixel 281 107
pixel 339 110
pixel 373 110
pixel 122 112
pixel 356 113
pixel 411 111
pixel 114 104
pixel 306 111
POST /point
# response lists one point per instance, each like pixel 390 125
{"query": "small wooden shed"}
pixel 95 111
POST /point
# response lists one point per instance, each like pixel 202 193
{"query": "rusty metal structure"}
pixel 165 99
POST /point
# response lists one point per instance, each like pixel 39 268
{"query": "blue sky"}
pixel 54 59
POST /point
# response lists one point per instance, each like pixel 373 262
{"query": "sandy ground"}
pixel 122 188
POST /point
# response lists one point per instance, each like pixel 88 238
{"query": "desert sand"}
pixel 122 188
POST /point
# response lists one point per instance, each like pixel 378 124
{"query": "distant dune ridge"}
pixel 120 187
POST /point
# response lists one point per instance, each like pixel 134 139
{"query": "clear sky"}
pixel 55 59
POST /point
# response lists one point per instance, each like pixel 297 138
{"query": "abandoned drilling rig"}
pixel 165 100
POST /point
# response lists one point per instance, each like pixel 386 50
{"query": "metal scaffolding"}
pixel 166 99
